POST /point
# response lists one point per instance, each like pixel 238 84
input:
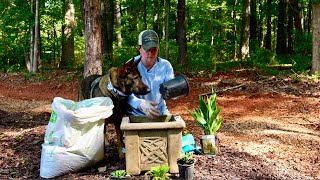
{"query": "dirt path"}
pixel 271 126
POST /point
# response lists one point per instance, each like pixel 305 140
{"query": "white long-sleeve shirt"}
pixel 161 72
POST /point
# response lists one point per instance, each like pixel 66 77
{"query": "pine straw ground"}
pixel 270 129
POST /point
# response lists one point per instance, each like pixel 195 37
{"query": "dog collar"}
pixel 115 91
pixel 93 85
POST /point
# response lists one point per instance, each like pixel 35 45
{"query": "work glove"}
pixel 149 109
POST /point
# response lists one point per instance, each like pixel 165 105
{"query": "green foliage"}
pixel 231 65
pixel 14 24
pixel 186 158
pixel 262 57
pixel 305 77
pixel 186 132
pixel 27 76
pixel 159 172
pixel 213 34
pixel 303 44
pixel 71 76
pixel 119 173
pixel 35 76
pixel 316 1
pixel 301 63
pixel 207 116
pixel 79 51
pixel 315 76
pixel 295 78
pixel 122 55
pixel 14 68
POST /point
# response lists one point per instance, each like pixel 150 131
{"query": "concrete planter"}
pixel 152 142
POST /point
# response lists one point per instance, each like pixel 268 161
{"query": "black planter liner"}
pixel 186 171
pixel 175 88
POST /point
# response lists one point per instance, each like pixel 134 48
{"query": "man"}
pixel 154 71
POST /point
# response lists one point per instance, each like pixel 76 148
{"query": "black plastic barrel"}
pixel 175 88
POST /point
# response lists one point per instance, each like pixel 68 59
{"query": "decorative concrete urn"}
pixel 152 142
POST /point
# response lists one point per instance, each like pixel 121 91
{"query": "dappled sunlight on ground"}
pixel 271 127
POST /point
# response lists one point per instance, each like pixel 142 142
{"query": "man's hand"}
pixel 149 109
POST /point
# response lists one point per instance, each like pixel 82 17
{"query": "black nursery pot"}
pixel 186 172
pixel 175 88
pixel 119 178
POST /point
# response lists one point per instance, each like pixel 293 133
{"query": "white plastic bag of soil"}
pixel 74 137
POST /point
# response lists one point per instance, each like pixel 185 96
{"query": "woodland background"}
pixel 215 35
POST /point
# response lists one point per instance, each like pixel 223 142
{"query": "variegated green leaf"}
pixel 217 125
pixel 207 116
pixel 203 107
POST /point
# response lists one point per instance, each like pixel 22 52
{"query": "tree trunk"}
pixel 29 63
pixel 234 17
pixel 295 7
pixel 268 35
pixel 260 24
pixel 181 32
pixel 253 20
pixel 281 31
pixel 167 27
pixel 309 16
pixel 104 28
pixel 107 28
pixel 55 46
pixel 156 17
pixel 245 30
pixel 290 31
pixel 118 23
pixel 92 30
pixel 163 16
pixel 315 38
pixel 67 56
pixel 36 52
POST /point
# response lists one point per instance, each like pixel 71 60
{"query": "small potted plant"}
pixel 119 174
pixel 186 165
pixel 159 172
pixel 207 116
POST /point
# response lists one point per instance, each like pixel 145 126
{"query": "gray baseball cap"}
pixel 148 39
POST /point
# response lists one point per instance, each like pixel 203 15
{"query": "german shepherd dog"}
pixel 118 84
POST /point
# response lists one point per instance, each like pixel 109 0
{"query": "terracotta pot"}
pixel 210 145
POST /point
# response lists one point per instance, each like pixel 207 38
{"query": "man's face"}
pixel 150 55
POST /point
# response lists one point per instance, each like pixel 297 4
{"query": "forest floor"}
pixel 271 127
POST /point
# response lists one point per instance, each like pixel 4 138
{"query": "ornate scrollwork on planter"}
pixel 153 150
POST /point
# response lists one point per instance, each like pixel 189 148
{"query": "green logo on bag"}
pixel 50 137
pixel 53 117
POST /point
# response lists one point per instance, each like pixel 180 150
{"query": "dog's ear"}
pixel 131 63
pixel 136 62
pixel 125 68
